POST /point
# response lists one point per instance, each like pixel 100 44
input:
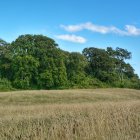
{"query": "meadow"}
pixel 86 114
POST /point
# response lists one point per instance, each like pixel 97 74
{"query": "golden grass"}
pixel 100 114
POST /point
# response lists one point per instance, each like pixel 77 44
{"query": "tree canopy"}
pixel 36 62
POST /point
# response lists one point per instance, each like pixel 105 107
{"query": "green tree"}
pixel 76 64
pixel 101 64
pixel 5 60
pixel 35 61
pixel 24 71
pixel 119 55
pixel 42 53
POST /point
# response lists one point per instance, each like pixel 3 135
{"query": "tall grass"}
pixel 100 119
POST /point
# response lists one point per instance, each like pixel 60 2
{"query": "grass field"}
pixel 90 114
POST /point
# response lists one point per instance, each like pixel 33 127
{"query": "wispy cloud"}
pixel 72 38
pixel 132 30
pixel 129 30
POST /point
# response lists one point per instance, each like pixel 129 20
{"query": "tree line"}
pixel 36 62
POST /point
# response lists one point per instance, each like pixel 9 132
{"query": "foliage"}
pixel 5 85
pixel 35 61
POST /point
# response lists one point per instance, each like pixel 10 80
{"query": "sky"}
pixel 76 24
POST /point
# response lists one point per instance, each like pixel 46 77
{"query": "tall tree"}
pixel 5 60
pixel 76 64
pixel 100 63
pixel 119 56
pixel 36 61
pixel 48 59
pixel 24 71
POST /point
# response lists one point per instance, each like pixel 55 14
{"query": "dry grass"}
pixel 101 114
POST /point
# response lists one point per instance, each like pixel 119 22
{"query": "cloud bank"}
pixel 129 30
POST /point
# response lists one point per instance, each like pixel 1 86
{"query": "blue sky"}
pixel 76 24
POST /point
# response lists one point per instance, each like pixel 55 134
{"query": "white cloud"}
pixel 132 30
pixel 129 30
pixel 72 38
pixel 72 28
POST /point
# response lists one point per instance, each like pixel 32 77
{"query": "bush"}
pixel 96 83
pixel 5 84
pixel 127 83
pixel 22 84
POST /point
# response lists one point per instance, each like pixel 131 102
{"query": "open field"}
pixel 90 114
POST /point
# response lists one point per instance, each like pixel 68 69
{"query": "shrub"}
pixel 5 84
